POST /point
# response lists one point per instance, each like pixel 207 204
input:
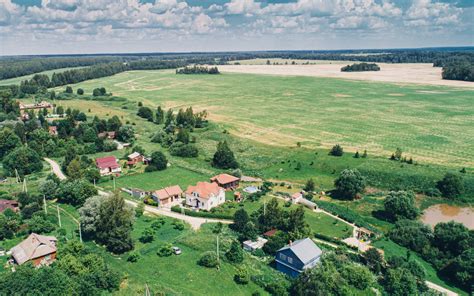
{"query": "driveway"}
pixel 56 168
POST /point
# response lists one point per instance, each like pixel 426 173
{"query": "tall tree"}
pixel 401 205
pixel 115 225
pixel 451 185
pixel 349 183
pixel 224 157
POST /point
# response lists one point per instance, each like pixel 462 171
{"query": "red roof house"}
pixel 226 181
pixel 205 196
pixel 108 165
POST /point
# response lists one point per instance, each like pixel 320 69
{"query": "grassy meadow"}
pixel 431 124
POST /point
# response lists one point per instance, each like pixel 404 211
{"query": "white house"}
pixel 205 196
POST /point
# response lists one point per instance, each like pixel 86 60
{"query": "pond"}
pixel 445 213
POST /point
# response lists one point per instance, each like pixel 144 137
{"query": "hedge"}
pixel 345 214
pixel 202 214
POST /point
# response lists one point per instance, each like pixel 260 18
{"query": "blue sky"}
pixel 94 26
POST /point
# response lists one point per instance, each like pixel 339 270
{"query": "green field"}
pixel 431 124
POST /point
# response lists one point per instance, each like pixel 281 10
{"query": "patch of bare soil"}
pixel 396 73
pixel 396 95
pixel 341 96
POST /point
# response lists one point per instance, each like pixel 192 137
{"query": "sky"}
pixel 121 26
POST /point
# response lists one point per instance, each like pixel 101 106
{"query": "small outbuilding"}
pixel 226 181
pixel 250 245
pixel 134 158
pixel 298 256
pixel 251 189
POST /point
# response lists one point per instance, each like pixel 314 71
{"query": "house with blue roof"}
pixel 298 256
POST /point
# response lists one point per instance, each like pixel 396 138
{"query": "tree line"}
pixel 198 70
pixel 359 67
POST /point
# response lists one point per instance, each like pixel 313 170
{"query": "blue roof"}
pixel 305 249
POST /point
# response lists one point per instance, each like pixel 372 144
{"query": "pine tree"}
pixel 356 155
pixel 224 157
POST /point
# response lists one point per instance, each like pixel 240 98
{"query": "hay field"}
pixel 396 73
pixel 430 123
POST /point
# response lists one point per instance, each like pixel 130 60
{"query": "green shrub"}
pixel 165 251
pixel 202 214
pixel 242 276
pixel 208 259
pixel 133 257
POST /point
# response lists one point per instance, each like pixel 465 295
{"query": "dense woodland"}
pixel 360 67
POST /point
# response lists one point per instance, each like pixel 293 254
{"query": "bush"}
pixel 133 257
pixel 242 276
pixel 208 259
pixel 147 236
pixel 235 254
pixel 202 214
pixel 165 251
pixel 183 150
pixel 178 225
pixel 451 185
pixel 336 150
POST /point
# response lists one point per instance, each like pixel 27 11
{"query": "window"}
pixel 290 260
pixel 283 257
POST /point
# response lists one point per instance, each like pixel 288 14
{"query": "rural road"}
pixel 56 168
pixel 195 222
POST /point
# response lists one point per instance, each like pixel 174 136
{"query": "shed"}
pixel 296 257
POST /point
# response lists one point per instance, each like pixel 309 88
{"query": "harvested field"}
pixel 397 73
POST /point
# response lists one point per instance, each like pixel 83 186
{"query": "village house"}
pixel 9 204
pixel 38 249
pixel 226 181
pixel 53 130
pixel 298 256
pixel 134 158
pixel 107 135
pixel 168 196
pixel 138 193
pixel 205 196
pixel 296 197
pixel 108 165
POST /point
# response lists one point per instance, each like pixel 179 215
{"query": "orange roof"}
pixel 296 195
pixel 168 191
pixel 204 189
pixel 224 179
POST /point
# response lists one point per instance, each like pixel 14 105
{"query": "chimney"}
pixel 290 243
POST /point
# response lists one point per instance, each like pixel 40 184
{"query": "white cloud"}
pixel 247 7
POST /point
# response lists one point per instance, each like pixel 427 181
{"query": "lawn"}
pixel 430 123
pixel 180 275
pixel 155 180
pixel 392 249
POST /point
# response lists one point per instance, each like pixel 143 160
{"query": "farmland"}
pixel 430 123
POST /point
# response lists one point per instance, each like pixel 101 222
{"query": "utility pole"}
pixel 59 216
pixel 217 238
pixel 114 183
pixel 147 290
pixel 17 176
pixel 25 187
pixel 80 232
pixel 44 204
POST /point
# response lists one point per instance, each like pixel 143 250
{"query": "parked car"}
pixel 176 250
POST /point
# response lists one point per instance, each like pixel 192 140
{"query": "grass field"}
pixel 431 124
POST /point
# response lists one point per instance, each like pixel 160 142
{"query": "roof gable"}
pixel 305 249
pixel 224 179
pixel 33 247
pixel 204 189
